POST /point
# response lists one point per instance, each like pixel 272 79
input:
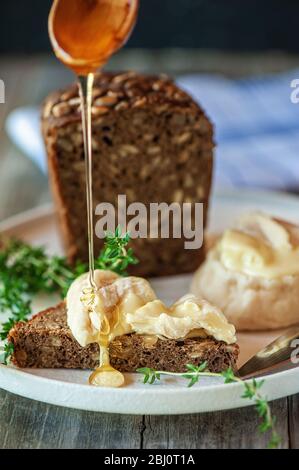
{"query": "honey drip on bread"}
pixel 105 374
pixel 101 316
pixel 84 35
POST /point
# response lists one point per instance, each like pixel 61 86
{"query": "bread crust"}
pixel 169 144
pixel 47 342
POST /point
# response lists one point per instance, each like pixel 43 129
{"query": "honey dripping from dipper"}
pixel 84 35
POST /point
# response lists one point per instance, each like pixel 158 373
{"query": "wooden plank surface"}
pixel 29 424
pixel 293 409
pixel 235 429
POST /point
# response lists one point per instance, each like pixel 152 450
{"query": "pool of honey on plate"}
pixel 84 35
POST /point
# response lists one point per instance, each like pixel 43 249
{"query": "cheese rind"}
pixel 260 246
pixel 252 274
pixel 138 310
pixel 116 297
pixel 187 314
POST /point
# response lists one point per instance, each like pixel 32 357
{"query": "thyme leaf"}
pixel 26 270
pixel 252 391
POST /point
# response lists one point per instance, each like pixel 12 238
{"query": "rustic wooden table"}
pixel 29 424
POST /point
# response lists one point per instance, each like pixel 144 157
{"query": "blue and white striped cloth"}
pixel 257 129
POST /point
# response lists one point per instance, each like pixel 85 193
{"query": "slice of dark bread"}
pixel 47 342
pixel 151 142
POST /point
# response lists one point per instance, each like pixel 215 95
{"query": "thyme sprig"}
pixel 252 391
pixel 115 255
pixel 26 271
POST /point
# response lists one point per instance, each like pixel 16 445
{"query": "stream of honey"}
pixel 84 35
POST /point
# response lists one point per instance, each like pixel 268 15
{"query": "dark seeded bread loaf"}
pixel 151 142
pixel 47 342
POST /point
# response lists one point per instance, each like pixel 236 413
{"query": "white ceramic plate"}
pixel 171 396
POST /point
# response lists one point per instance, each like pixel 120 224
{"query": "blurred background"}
pixel 237 58
pixel 233 25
